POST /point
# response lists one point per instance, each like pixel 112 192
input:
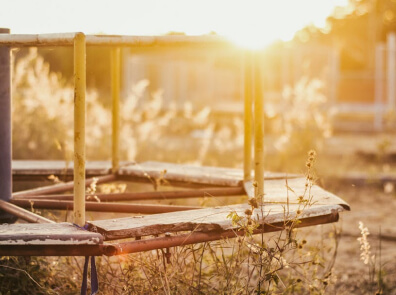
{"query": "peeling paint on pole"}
pixel 115 88
pixel 79 128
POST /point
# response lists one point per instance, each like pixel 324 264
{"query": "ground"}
pixel 375 208
pixel 360 162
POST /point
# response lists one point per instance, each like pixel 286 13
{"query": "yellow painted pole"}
pixel 79 129
pixel 115 88
pixel 258 131
pixel 248 117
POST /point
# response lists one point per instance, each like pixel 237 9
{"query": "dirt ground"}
pixel 376 209
pixel 372 202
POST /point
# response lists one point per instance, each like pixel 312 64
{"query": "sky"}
pixel 250 23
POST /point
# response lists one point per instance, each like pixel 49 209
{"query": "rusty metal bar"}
pixel 200 237
pixel 22 213
pixel 59 188
pixel 258 131
pixel 67 39
pixel 115 88
pixel 198 193
pixel 248 118
pixel 57 250
pixel 5 124
pixel 101 207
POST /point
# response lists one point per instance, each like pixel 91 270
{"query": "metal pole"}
pixel 157 195
pixel 5 125
pixel 379 84
pixel 23 214
pixel 258 131
pixel 60 188
pixel 247 159
pixel 391 81
pixel 102 207
pixel 115 88
pixel 79 129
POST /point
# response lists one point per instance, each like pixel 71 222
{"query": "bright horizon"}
pixel 252 23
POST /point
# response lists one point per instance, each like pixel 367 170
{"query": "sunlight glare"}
pixel 249 23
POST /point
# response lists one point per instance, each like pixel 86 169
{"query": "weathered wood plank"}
pixel 203 220
pixel 280 191
pixel 217 176
pixel 190 173
pixel 46 167
pixel 201 237
pixel 47 234
pixel 276 209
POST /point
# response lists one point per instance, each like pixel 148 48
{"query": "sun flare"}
pixel 250 23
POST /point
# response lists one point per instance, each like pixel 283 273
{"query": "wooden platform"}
pixel 281 205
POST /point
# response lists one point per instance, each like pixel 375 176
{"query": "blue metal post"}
pixel 5 126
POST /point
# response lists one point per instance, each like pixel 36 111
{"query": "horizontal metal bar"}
pixel 58 250
pixel 22 213
pixel 157 195
pixel 66 39
pixel 101 207
pixel 171 182
pixel 61 187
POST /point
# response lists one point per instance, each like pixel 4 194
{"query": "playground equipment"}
pixel 169 226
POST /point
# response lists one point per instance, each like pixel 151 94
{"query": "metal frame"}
pixel 254 132
pixel 80 41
